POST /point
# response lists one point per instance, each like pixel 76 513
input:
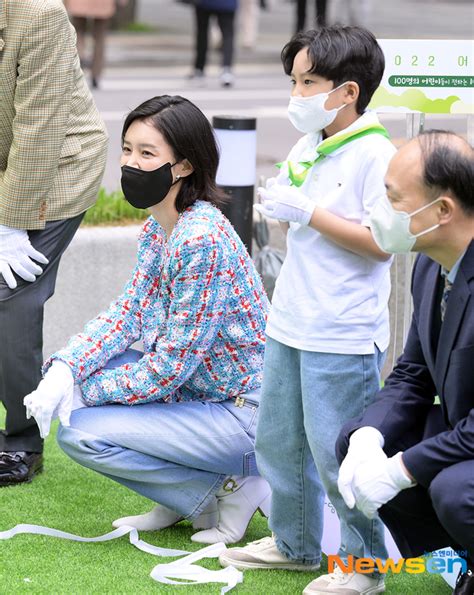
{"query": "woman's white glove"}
pixel 52 398
pixel 365 445
pixel 16 253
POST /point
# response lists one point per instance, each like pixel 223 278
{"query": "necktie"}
pixel 297 171
pixel 444 298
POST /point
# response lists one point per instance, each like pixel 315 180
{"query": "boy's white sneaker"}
pixel 262 553
pixel 345 583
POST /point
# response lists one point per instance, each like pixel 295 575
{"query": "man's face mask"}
pixel 391 228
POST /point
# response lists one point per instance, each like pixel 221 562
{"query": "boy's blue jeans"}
pixel 177 454
pixel 306 399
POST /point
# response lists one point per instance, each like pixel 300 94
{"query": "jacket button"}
pixel 42 211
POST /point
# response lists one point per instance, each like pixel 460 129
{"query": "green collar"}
pixel 297 172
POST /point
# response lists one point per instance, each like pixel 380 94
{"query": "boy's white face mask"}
pixel 391 228
pixel 308 114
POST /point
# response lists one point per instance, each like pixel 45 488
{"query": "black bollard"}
pixel 237 139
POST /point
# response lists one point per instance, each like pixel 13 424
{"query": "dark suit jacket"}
pixel 430 367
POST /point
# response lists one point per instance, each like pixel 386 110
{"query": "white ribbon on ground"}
pixel 172 573
pixel 184 569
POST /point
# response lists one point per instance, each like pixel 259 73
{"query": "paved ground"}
pixel 140 66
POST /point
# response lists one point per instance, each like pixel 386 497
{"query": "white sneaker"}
pixel 161 517
pixel 237 501
pixel 345 583
pixel 261 554
pixel 197 78
pixel 227 78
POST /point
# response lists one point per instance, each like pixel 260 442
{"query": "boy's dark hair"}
pixel 190 136
pixel 340 54
pixel 448 167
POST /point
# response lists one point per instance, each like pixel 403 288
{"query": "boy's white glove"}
pixel 16 253
pixel 285 203
pixel 53 397
pixel 375 485
pixel 365 445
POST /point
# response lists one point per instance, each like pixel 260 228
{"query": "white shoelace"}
pixel 259 542
pixel 338 577
pixel 172 573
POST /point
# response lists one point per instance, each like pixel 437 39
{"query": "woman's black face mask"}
pixel 143 189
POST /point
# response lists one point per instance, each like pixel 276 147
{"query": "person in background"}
pixel 328 327
pixel 177 422
pixel 224 11
pixel 53 147
pixel 320 7
pixel 407 458
pixel 99 12
pixel 352 12
pixel 249 14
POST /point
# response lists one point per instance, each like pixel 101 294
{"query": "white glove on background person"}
pixel 365 445
pixel 16 253
pixel 285 203
pixel 375 485
pixel 54 395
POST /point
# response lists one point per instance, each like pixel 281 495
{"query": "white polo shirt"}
pixel 327 298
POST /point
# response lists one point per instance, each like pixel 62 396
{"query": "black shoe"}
pixel 19 466
pixel 464 583
pixel 94 83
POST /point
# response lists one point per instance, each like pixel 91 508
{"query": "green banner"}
pixel 420 80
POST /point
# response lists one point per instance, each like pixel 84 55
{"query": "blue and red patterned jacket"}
pixel 197 303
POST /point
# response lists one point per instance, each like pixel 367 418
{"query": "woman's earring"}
pixel 178 177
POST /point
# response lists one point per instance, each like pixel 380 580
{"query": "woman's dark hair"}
pixel 340 54
pixel 448 167
pixel 190 136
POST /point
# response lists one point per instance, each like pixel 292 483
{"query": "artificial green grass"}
pixel 70 498
pixel 137 27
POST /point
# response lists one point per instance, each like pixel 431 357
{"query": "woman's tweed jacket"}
pixel 198 305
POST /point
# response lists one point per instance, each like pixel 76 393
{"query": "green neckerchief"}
pixel 328 146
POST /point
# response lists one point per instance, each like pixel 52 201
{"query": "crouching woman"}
pixel 176 422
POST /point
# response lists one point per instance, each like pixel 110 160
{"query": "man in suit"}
pixel 52 155
pixel 408 458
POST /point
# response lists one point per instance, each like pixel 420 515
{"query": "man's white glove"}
pixel 16 253
pixel 365 445
pixel 285 203
pixel 53 397
pixel 375 485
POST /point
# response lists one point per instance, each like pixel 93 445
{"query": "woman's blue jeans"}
pixel 177 454
pixel 306 399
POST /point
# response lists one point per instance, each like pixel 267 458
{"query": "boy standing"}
pixel 328 328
